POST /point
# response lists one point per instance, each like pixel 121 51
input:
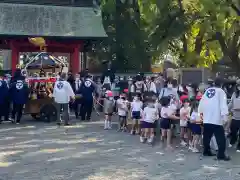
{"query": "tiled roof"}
pixel 35 20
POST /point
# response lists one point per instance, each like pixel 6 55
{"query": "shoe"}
pixel 190 148
pixel 67 124
pixel 225 158
pixel 195 150
pixel 142 139
pixel 150 139
pixel 12 120
pixel 183 143
pixel 238 150
pixel 132 132
pixel 230 145
pixel 58 123
pixel 17 123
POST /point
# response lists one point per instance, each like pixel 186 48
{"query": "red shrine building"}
pixel 66 25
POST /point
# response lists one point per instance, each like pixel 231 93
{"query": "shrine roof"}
pixel 50 21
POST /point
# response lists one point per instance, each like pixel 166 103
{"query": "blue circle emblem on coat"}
pixel 60 85
pixel 19 85
pixel 210 93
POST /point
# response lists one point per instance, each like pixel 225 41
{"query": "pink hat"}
pixel 109 93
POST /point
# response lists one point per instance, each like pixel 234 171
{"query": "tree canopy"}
pixel 198 32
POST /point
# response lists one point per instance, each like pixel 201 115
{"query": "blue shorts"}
pixel 196 129
pixel 136 115
pixel 165 123
pixel 145 124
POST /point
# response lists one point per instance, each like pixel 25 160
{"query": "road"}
pixel 84 151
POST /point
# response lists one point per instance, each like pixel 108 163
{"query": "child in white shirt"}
pixel 196 122
pixel 150 115
pixel 136 109
pixel 122 108
pixel 184 118
pixel 167 115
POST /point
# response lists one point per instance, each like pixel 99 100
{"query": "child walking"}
pixel 184 118
pixel 122 109
pixel 136 109
pixel 150 115
pixel 167 115
pixel 196 127
pixel 108 109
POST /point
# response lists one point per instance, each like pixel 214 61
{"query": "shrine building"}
pixel 66 25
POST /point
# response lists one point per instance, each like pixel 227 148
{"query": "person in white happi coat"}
pixel 63 94
pixel 214 111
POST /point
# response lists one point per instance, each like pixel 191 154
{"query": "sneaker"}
pixel 150 139
pixel 17 123
pixel 238 150
pixel 195 150
pixel 183 143
pixel 142 139
pixel 190 148
pixel 230 145
pixel 132 132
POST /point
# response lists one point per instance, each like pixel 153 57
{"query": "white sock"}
pixel 105 124
pixel 109 124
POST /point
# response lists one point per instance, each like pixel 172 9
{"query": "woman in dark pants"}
pixel 234 107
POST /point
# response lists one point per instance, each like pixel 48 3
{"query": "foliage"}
pixel 198 32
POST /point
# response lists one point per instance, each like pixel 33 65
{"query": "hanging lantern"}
pixel 38 41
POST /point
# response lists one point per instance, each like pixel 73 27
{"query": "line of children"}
pixel 144 119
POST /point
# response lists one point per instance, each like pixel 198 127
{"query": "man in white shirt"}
pixel 62 94
pixel 214 110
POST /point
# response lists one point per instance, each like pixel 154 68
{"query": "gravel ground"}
pixel 84 151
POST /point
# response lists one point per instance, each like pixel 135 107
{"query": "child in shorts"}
pixel 167 114
pixel 196 128
pixel 150 115
pixel 136 109
pixel 108 106
pixel 122 109
pixel 184 118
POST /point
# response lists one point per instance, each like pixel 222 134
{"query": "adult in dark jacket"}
pixel 3 99
pixel 71 81
pixel 17 76
pixel 86 93
pixel 18 92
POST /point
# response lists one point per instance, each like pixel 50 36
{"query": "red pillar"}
pixel 15 56
pixel 75 59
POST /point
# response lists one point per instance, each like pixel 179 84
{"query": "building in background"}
pixel 66 25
